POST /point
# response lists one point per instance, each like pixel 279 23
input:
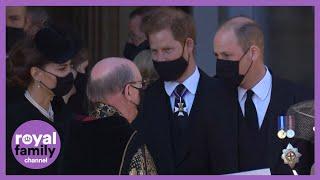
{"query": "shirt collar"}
pixel 261 89
pixel 191 83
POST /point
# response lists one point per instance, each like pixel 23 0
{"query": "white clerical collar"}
pixel 191 83
pixel 261 89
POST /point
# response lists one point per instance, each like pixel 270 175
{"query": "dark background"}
pixel 289 34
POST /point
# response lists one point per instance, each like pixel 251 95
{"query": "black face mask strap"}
pixel 123 93
pixel 250 63
pixel 48 72
pixel 245 53
pixel 42 82
pixel 184 45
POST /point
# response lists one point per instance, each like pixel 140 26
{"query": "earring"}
pixel 38 84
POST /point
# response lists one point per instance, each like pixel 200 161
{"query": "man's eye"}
pixel 167 50
pixel 225 55
pixel 14 18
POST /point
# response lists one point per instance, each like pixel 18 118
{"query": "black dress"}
pixel 105 143
pixel 21 110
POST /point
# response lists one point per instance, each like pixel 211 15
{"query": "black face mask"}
pixel 63 86
pixel 171 70
pixel 141 94
pixel 140 105
pixel 131 51
pixel 13 35
pixel 228 71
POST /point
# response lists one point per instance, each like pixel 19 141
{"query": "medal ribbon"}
pixel 290 122
pixel 281 123
pixel 182 94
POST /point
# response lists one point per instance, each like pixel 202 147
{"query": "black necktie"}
pixel 180 118
pixel 251 116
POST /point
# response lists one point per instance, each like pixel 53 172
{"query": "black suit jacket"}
pixel 283 94
pixel 210 145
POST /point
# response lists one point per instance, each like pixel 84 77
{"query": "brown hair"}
pixel 180 23
pixel 80 57
pixel 247 31
pixel 21 59
pixel 250 34
pixel 141 11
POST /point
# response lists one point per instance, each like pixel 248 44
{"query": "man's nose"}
pixel 160 57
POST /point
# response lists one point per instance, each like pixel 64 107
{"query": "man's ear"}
pixel 126 92
pixel 255 52
pixel 36 73
pixel 190 45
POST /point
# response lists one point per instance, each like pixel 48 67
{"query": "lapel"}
pixel 276 107
pixel 231 118
pixel 159 110
pixel 194 115
pixel 235 115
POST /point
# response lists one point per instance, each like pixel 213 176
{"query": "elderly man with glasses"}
pixel 105 142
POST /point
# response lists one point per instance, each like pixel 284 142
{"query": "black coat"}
pixel 103 146
pixel 210 143
pixel 283 94
pixel 21 110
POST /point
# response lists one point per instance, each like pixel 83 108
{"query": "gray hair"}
pixel 109 84
pixel 144 63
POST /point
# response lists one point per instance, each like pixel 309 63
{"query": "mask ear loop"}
pixel 184 44
pixel 123 93
pixel 250 63
pixel 43 83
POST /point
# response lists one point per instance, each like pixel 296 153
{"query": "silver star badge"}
pixel 180 109
pixel 290 155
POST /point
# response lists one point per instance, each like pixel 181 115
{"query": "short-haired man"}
pixel 182 118
pixel 105 142
pixel 137 40
pixel 260 98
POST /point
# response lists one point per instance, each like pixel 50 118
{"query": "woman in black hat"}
pixel 42 68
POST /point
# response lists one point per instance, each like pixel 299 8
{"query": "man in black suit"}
pixel 259 99
pixel 182 119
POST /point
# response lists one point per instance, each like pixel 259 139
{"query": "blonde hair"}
pixel 144 63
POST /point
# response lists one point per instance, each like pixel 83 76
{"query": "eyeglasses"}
pixel 144 84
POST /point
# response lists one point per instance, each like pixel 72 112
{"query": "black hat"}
pixel 55 45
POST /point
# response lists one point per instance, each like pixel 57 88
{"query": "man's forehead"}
pixel 17 10
pixel 162 39
pixel 226 41
pixel 225 37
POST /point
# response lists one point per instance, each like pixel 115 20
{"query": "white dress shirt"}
pixel 191 84
pixel 261 97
